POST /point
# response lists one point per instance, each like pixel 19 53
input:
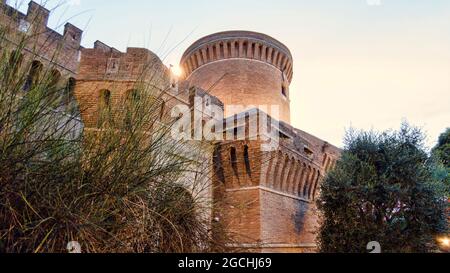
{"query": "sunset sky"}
pixel 356 63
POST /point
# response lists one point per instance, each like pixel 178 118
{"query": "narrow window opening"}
pixel 222 50
pixel 214 52
pixel 208 54
pixel 247 161
pixel 218 167
pixel 69 97
pixel 233 158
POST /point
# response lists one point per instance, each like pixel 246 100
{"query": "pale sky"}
pixel 355 64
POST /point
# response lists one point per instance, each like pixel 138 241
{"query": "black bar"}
pixel 228 263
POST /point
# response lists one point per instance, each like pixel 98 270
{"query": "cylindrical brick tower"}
pixel 241 68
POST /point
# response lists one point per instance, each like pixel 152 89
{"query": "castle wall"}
pixel 243 83
pixel 241 68
pixel 267 198
pixel 103 68
pixel 288 223
pixel 58 51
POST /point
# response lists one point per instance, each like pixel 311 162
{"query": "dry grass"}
pixel 121 188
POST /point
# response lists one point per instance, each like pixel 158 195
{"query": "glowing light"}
pixel 444 241
pixel 177 70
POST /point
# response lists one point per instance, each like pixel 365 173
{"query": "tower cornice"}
pixel 238 44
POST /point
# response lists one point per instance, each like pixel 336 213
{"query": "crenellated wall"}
pixel 106 69
pixel 43 44
pixel 266 200
pixel 268 197
pixel 241 68
pixel 238 44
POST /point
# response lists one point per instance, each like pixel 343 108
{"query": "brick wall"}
pixel 105 68
pixel 267 199
pixel 241 68
pixel 60 51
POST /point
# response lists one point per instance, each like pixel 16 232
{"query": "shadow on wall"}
pixel 299 217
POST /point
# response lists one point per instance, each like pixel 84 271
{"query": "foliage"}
pixel 383 190
pixel 441 154
pixel 123 187
pixel 442 149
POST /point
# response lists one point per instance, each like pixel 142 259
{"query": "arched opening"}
pixel 245 49
pixel 253 50
pixel 221 51
pixel 284 167
pixel 217 164
pixel 260 51
pixel 194 61
pixel 104 106
pixel 133 96
pixel 33 75
pixel 69 96
pixel 272 57
pixel 105 99
pixel 177 208
pixel 315 187
pixel 15 62
pixel 208 54
pixel 287 181
pixel 214 48
pixel 304 178
pixel 132 101
pixel 236 49
pixel 229 49
pixel 309 180
pixel 54 78
pixel 70 86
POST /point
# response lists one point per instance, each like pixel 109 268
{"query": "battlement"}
pixel 35 22
pixel 241 68
pixel 41 43
pixel 294 168
pixel 238 44
pixel 103 62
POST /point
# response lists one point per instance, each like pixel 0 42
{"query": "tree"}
pixel 442 149
pixel 383 190
pixel 441 154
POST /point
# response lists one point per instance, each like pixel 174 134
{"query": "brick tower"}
pixel 266 199
pixel 241 68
